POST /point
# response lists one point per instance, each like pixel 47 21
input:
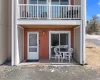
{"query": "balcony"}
pixel 49 12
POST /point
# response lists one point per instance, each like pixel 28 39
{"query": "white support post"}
pixel 81 47
pixel 82 32
pixel 14 33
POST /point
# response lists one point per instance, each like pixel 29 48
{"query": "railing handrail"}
pixel 47 5
pixel 67 5
pixel 47 11
pixel 32 5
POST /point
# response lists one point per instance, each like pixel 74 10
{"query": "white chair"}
pixel 68 55
pixel 71 50
pixel 57 54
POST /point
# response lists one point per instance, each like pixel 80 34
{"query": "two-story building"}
pixel 40 25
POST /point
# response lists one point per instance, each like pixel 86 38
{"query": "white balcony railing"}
pixel 34 11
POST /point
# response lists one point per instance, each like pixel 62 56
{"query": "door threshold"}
pixel 32 61
pixel 47 64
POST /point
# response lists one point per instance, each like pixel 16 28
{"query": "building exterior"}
pixel 39 25
pixel 4 27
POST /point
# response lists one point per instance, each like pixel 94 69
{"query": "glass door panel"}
pixel 55 2
pixel 32 1
pixel 64 41
pixel 32 39
pixel 59 39
pixel 32 8
pixel 64 2
pixel 54 39
pixel 42 1
pixel 55 9
pixel 42 9
pixel 37 10
pixel 54 43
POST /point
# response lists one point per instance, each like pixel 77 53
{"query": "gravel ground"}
pixel 93 37
pixel 48 73
pixel 95 41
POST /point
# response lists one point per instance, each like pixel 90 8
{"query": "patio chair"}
pixel 68 55
pixel 71 50
pixel 57 54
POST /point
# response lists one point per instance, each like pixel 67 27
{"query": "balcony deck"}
pixel 49 14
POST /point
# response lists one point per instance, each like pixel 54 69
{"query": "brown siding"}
pixel 44 41
pixel 25 1
pixel 72 2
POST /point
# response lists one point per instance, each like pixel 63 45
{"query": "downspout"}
pixel 83 31
pixel 82 43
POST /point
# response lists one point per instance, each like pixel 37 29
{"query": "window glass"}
pixel 32 49
pixel 55 2
pixel 64 2
pixel 63 39
pixel 54 39
pixel 32 1
pixel 32 39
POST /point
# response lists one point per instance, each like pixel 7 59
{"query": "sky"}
pixel 93 8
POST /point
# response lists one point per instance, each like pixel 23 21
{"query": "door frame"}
pixel 50 32
pixel 37 42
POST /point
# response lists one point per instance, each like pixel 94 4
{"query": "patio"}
pixel 48 62
pixel 34 47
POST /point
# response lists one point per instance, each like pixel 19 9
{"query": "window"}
pixel 57 2
pixel 32 1
pixel 64 2
pixel 60 2
pixel 37 1
pixel 41 1
pixel 58 39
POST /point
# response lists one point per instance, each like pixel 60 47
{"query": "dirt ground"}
pixel 92 56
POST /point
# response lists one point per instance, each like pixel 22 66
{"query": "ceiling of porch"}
pixel 49 26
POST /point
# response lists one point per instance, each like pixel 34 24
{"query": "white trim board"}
pixel 21 27
pixel 48 22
